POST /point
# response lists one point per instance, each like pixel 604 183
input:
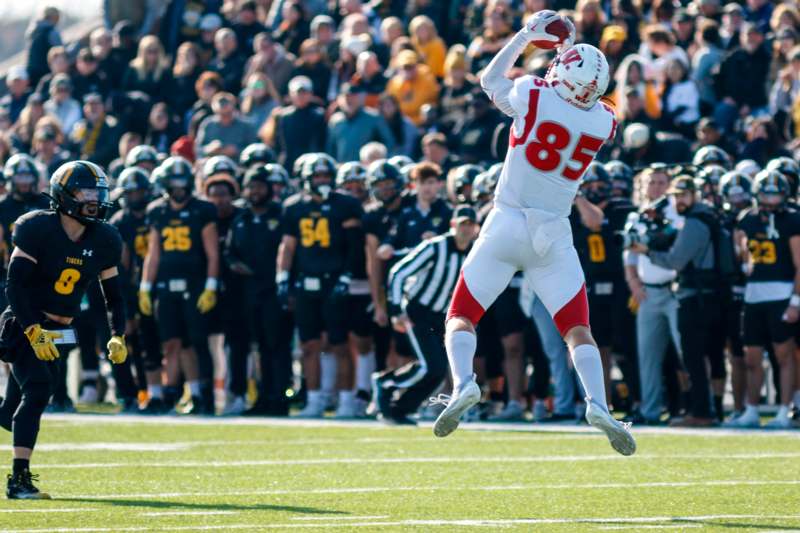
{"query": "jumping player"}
pixel 559 126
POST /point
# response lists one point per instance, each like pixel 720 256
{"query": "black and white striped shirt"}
pixel 427 276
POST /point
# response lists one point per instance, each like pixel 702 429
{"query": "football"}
pixel 560 29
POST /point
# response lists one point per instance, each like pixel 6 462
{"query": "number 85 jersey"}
pixel 551 144
pixel 64 268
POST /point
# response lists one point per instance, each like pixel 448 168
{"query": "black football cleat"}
pixel 20 487
pixel 194 407
pixel 154 407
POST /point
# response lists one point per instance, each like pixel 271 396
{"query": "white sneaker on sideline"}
pixel 313 409
pixel 467 395
pixel 512 412
pixel 539 410
pixel 779 422
pixel 347 408
pixel 237 406
pixel 748 419
pixel 88 395
pixel 618 433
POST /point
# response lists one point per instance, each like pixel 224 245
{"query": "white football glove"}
pixel 534 29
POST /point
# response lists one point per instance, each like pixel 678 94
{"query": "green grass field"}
pixel 116 474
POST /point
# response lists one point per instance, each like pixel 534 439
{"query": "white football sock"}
pixel 346 397
pixel 460 346
pixel 314 397
pixel 783 412
pixel 365 366
pixel 589 367
pixel 796 398
pixel 327 368
pixel 154 391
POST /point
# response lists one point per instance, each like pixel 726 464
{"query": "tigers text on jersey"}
pixel 551 144
pixel 64 268
pixel 181 232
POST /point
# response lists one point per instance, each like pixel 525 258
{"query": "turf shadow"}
pixel 166 504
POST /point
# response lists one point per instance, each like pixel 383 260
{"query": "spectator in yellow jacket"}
pixel 413 86
pixel 428 44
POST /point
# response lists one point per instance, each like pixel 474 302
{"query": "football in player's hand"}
pixel 560 29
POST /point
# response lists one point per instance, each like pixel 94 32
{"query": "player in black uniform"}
pixel 769 237
pixel 459 183
pixel 57 253
pixel 386 185
pixel 322 244
pixel 251 252
pixel 351 179
pixel 227 321
pixel 256 154
pixel 182 265
pixel 621 179
pixel 736 191
pixel 595 219
pixel 134 189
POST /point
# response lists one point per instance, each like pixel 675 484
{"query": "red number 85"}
pixel 544 153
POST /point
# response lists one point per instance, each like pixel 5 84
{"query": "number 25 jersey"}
pixel 551 144
pixel 64 268
pixel 181 234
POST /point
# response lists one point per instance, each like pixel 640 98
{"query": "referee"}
pixel 420 287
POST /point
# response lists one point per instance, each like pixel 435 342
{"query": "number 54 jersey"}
pixel 551 144
pixel 64 268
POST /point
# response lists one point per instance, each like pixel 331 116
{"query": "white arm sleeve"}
pixel 494 81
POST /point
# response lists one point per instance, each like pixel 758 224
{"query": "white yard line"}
pixel 524 427
pixel 639 526
pixel 49 510
pixel 188 513
pixel 329 517
pixel 489 488
pixel 422 460
pixel 432 522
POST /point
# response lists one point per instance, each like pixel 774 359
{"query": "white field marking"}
pixel 524 427
pixel 115 446
pixel 187 513
pixel 46 510
pixel 498 488
pixel 433 522
pixel 329 517
pixel 638 526
pixel 422 460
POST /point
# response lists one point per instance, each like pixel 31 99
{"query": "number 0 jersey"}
pixel 64 268
pixel 181 232
pixel 321 242
pixel 772 275
pixel 551 144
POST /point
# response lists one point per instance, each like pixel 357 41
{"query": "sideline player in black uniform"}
pixel 133 192
pixel 736 191
pixel 182 252
pixel 57 253
pixel 595 219
pixel 322 244
pixel 251 252
pixel 769 238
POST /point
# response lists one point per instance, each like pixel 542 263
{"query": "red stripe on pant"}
pixel 464 304
pixel 574 313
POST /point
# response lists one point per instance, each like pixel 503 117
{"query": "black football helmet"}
pixel 596 183
pixel 383 171
pixel 771 190
pixel 350 172
pixel 485 183
pixel 400 161
pixel 319 164
pixel 789 169
pixel 79 189
pixel 133 180
pixel 173 175
pixel 708 180
pixel 297 167
pixel 142 154
pixel 256 154
pixel 737 189
pixel 219 164
pixel 459 182
pixel 708 155
pixel 621 178
pixel 22 176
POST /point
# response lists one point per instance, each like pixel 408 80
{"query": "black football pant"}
pixel 416 381
pixel 235 326
pixel 698 317
pixel 271 328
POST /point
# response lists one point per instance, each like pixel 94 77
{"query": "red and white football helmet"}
pixel 579 75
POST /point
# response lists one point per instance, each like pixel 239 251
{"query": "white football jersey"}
pixel 551 144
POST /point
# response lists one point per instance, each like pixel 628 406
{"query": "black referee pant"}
pixel 416 381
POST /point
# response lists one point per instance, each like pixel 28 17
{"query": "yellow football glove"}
pixel 145 303
pixel 42 342
pixel 207 301
pixel 117 349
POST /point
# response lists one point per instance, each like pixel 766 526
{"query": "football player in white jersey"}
pixel 559 126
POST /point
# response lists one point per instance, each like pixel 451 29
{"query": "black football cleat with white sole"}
pixel 20 487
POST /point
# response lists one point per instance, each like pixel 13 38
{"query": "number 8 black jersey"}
pixel 768 243
pixel 64 268
pixel 181 232
pixel 321 242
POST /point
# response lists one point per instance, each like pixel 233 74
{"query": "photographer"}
pixel 657 308
pixel 693 256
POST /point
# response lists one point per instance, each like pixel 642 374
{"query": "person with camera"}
pixel 768 236
pixel 656 305
pixel 694 258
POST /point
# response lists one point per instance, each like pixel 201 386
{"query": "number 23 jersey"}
pixel 181 237
pixel 768 244
pixel 64 268
pixel 551 144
